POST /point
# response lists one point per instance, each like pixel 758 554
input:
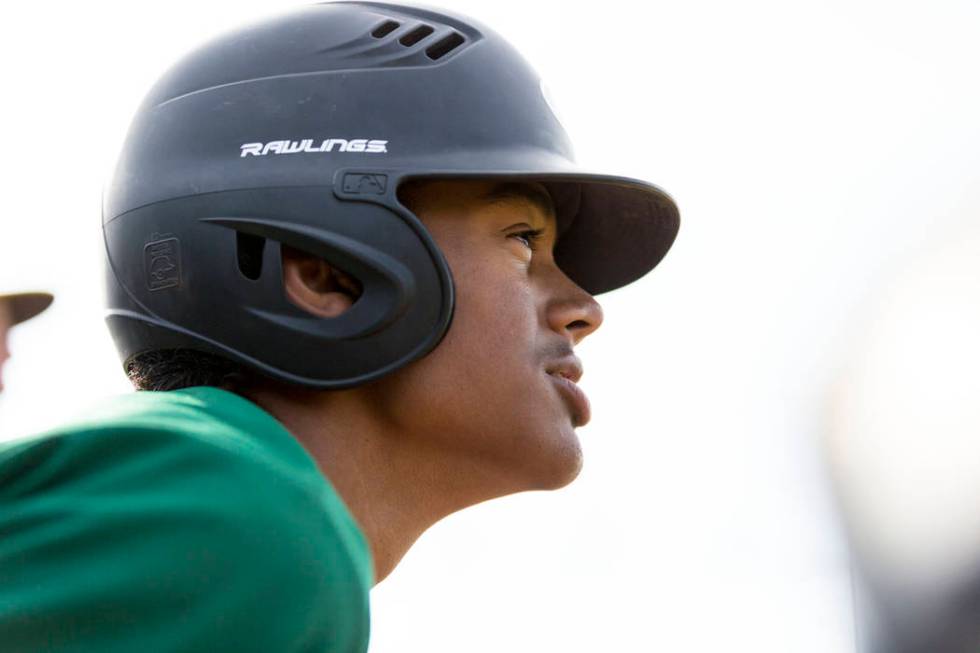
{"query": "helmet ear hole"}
pixel 317 285
pixel 250 249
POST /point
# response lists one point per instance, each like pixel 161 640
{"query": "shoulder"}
pixel 201 454
pixel 167 503
pixel 153 441
pixel 158 439
pixel 156 459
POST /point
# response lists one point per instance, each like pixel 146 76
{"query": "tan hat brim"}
pixel 25 305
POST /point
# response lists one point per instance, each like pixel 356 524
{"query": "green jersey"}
pixel 189 520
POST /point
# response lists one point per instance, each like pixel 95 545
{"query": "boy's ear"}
pixel 315 285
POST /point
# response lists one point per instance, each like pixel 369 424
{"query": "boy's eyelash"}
pixel 531 236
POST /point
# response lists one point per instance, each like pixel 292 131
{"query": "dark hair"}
pixel 173 369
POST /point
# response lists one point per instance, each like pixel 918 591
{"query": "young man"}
pixel 14 309
pixel 349 257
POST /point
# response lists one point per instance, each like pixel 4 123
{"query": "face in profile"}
pixel 498 393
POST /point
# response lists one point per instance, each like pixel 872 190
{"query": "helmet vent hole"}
pixel 416 35
pixel 443 46
pixel 384 29
pixel 250 255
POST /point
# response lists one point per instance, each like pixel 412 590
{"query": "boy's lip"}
pixel 569 367
pixel 575 398
pixel 566 372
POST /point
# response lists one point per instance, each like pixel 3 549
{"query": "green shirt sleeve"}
pixel 150 540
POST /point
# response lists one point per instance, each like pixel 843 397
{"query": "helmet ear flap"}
pixel 218 268
pixel 388 286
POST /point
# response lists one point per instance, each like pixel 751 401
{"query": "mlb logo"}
pixel 359 183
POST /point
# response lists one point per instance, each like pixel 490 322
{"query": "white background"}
pixel 810 146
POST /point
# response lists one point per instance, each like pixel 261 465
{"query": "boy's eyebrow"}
pixel 511 190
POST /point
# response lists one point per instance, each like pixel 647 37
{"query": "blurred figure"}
pixel 904 454
pixel 14 309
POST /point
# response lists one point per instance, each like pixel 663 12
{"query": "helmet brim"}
pixel 612 230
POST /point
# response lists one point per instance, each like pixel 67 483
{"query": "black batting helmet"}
pixel 298 130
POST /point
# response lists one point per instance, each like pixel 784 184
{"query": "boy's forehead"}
pixel 426 195
pixel 530 192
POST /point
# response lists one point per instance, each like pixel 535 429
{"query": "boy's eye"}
pixel 529 237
